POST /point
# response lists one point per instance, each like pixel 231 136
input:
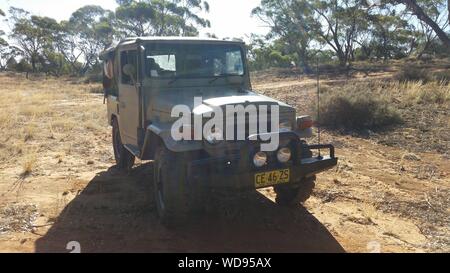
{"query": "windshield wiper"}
pixel 220 76
pixel 214 80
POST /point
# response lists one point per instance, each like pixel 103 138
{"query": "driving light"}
pixel 215 137
pixel 260 159
pixel 304 122
pixel 284 155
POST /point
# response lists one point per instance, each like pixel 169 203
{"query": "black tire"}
pixel 289 196
pixel 124 158
pixel 174 196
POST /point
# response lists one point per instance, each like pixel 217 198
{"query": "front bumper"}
pixel 237 172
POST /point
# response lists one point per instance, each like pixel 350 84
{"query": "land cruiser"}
pixel 146 79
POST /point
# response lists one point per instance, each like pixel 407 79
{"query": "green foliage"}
pixel 73 46
pixel 290 23
pixel 338 32
pixel 160 17
pixel 23 66
pixel 33 34
pixel 351 29
pixel 264 56
pixel 89 31
pixel 3 47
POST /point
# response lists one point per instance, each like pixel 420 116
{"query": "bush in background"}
pixel 442 77
pixel 356 107
pixel 412 73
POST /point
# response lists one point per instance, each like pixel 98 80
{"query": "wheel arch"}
pixel 112 118
pixel 151 144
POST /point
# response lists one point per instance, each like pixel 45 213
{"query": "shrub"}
pixel 442 76
pixel 356 107
pixel 411 73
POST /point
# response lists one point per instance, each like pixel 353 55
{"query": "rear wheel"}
pixel 175 200
pixel 288 195
pixel 124 158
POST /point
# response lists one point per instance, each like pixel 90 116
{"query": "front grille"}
pixel 247 125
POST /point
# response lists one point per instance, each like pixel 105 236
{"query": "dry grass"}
pixel 423 74
pixel 29 131
pixel 424 108
pixel 28 165
pixel 426 94
pixel 41 116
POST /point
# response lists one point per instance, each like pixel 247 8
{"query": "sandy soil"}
pixel 377 199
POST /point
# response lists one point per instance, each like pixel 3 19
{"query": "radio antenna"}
pixel 318 105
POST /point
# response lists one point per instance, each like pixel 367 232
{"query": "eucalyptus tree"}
pixel 291 22
pixel 160 17
pixel 419 9
pixel 190 13
pixel 135 18
pixel 437 11
pixel 32 34
pixel 338 24
pixel 4 47
pixel 89 31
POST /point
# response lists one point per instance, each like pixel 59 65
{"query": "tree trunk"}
pixel 33 65
pixel 342 59
pixel 418 11
pixel 425 48
pixel 303 62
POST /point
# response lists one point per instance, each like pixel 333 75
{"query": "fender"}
pixel 157 134
pixel 306 133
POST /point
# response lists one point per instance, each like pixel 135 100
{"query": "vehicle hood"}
pixel 166 100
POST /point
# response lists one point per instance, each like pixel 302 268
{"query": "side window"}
pixel 128 57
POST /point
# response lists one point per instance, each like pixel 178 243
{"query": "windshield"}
pixel 163 60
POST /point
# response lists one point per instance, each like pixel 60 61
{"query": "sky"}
pixel 229 18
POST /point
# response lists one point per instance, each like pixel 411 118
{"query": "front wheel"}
pixel 175 200
pixel 289 196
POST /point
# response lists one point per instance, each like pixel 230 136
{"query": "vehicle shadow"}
pixel 117 213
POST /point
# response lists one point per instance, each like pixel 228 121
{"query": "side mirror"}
pixel 130 71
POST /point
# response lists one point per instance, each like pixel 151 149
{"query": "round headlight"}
pixel 284 155
pixel 260 159
pixel 215 137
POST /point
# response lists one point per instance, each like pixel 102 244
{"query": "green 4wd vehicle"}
pixel 147 79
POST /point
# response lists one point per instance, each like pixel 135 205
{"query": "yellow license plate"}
pixel 272 178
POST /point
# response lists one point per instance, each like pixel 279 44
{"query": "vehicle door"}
pixel 129 98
